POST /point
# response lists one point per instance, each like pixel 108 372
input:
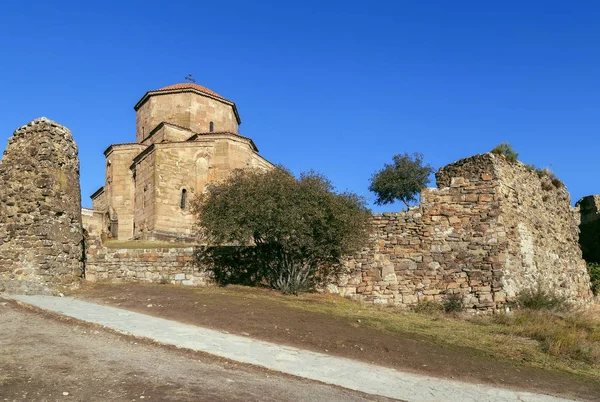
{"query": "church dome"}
pixel 188 105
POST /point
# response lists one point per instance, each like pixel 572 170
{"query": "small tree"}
pixel 402 180
pixel 273 228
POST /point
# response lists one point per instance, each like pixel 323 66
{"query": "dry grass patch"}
pixel 565 341
pixel 573 335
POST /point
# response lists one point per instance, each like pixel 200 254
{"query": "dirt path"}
pixel 42 359
pixel 269 321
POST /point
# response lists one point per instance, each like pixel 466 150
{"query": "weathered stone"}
pixel 589 236
pixel 160 265
pixel 40 210
pixel 488 232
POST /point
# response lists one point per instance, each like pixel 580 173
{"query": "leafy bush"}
pixel 552 180
pixel 453 303
pixel 271 227
pixel 542 172
pixel 594 270
pixel 540 300
pixel 402 180
pixel 547 186
pixel 556 182
pixel 507 150
pixel 229 264
pixel 428 307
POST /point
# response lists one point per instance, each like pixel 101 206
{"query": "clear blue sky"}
pixel 337 86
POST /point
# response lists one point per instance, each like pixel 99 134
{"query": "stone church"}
pixel 186 137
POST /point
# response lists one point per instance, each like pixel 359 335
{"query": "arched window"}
pixel 183 199
pixel 211 126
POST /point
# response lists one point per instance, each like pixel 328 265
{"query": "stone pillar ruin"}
pixel 41 235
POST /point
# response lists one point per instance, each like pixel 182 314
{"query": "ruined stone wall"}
pixel 542 234
pixel 491 230
pixel 589 236
pixel 452 243
pixel 40 210
pixel 151 265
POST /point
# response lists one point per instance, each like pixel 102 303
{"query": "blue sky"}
pixel 339 87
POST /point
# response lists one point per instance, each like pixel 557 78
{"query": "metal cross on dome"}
pixel 190 78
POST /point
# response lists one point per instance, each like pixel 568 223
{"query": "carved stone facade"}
pixel 41 235
pixel 491 230
pixel 186 137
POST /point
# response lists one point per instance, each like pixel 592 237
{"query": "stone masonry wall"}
pixel 542 234
pixel 447 245
pixel 167 169
pixel 150 265
pixel 488 232
pixel 589 236
pixel 40 210
pixel 187 109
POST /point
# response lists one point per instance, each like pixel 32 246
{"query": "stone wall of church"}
pixel 186 109
pixel 490 231
pixel 171 168
pixel 100 201
pixel 41 235
pixel 145 176
pixel 119 187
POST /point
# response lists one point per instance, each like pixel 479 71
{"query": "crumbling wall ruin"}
pixel 41 236
pixel 542 234
pixel 491 230
pixel 589 237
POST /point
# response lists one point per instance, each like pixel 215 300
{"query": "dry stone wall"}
pixel 491 230
pixel 589 237
pixel 40 210
pixel 542 235
pixel 149 265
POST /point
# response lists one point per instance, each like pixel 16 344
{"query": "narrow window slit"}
pixel 183 199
